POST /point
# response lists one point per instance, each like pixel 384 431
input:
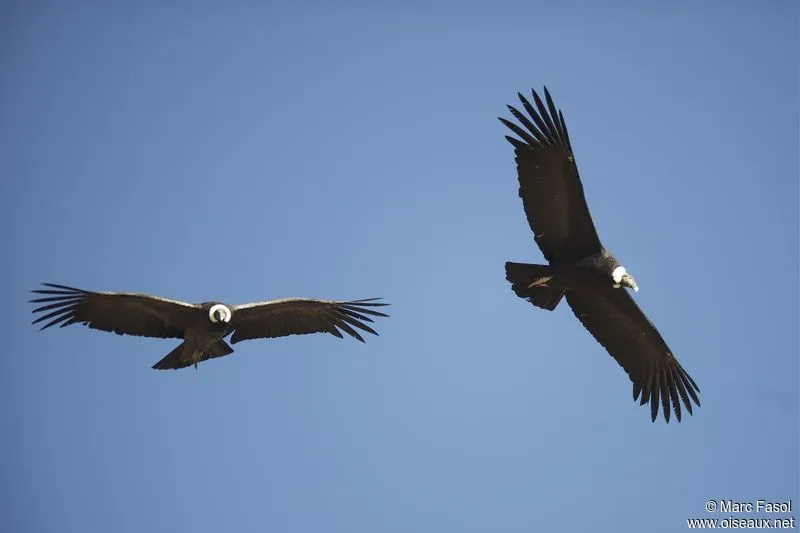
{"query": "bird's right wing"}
pixel 299 316
pixel 549 184
pixel 620 326
pixel 122 313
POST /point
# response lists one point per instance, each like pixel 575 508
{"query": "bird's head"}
pixel 219 313
pixel 623 279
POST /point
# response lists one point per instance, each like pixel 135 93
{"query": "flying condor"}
pixel 204 326
pixel 580 268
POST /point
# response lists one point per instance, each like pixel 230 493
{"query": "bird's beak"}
pixel 628 280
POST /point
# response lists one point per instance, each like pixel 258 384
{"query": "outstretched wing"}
pixel 299 316
pixel 122 313
pixel 549 184
pixel 614 319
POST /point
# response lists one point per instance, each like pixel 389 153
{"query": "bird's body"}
pixel 203 327
pixel 590 273
pixel 580 268
pixel 203 339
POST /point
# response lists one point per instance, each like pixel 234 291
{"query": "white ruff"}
pixel 224 311
pixel 618 274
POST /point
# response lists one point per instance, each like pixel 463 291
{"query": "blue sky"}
pixel 245 153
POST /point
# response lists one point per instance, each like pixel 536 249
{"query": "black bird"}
pixel 204 326
pixel 580 268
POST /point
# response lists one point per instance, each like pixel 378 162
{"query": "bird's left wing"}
pixel 549 184
pixel 123 313
pixel 614 319
pixel 299 316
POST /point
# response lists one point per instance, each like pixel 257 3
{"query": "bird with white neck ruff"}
pixel 580 268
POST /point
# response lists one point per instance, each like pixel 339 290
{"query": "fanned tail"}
pixel 530 282
pixel 186 355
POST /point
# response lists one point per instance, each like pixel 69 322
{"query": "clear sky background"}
pixel 243 153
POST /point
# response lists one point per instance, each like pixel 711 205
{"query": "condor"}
pixel 580 268
pixel 202 327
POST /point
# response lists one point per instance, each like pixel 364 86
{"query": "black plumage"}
pixel 580 267
pixel 204 326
